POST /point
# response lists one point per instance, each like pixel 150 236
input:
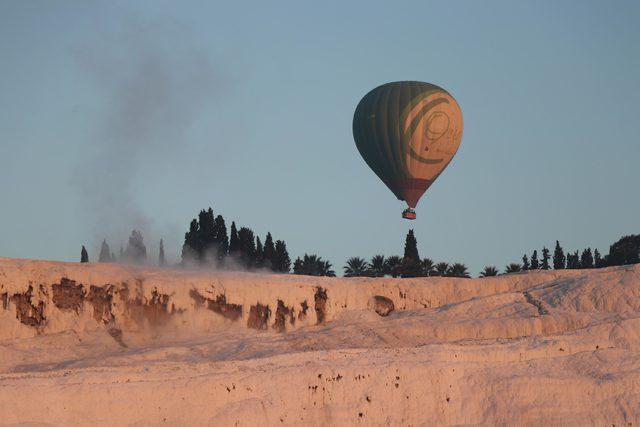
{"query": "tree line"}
pixel 136 251
pixel 625 251
pixel 209 243
pixel 409 265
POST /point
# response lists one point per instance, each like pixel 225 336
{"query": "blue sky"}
pixel 117 114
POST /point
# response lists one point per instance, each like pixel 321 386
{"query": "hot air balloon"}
pixel 407 132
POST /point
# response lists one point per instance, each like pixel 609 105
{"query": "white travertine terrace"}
pixel 109 344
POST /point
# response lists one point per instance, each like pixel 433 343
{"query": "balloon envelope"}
pixel 408 132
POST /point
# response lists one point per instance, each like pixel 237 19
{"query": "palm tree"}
pixel 441 269
pixel 355 267
pixel 313 265
pixel 310 265
pixel 512 268
pixel 394 266
pixel 489 271
pixel 324 268
pixel 458 270
pixel 427 267
pixel 378 266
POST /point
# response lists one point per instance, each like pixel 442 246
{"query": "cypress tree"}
pixel 297 266
pixel 411 260
pixel 191 246
pixel 534 260
pixel 281 261
pixel 411 246
pixel 221 238
pixel 586 259
pixel 113 257
pixel 525 262
pixel 234 242
pixel 208 236
pixel 597 258
pixel 558 257
pixel 105 252
pixel 259 255
pixel 84 256
pixel 161 259
pixel 545 259
pixel 247 246
pixel 411 268
pixel 269 251
pixel 136 250
pixel 573 260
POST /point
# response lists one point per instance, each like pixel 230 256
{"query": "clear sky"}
pixel 122 114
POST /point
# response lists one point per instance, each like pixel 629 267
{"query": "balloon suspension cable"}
pixel 409 214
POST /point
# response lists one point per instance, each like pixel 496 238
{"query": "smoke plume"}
pixel 152 82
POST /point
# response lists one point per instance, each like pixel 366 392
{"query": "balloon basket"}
pixel 409 214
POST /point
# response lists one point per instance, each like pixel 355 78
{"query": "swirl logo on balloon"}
pixel 430 130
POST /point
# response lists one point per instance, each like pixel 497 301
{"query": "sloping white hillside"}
pixel 107 344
